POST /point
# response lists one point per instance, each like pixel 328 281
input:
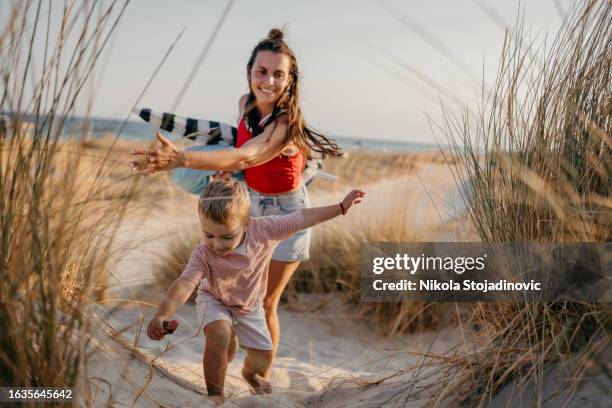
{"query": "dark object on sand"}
pixel 170 326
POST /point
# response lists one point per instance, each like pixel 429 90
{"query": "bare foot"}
pixel 216 399
pixel 258 385
pixel 233 347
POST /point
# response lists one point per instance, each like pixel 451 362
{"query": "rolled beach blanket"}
pixel 199 130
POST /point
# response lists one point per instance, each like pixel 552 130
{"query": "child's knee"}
pixel 218 335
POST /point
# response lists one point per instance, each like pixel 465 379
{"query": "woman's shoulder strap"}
pixel 278 115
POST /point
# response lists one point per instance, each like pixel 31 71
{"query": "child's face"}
pixel 269 76
pixel 219 237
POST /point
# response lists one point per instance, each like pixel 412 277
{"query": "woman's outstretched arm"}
pixel 256 151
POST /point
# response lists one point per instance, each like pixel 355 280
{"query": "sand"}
pixel 322 350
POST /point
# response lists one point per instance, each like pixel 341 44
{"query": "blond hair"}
pixel 225 202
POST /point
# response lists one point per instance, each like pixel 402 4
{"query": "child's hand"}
pixel 155 329
pixel 354 197
pixel 170 326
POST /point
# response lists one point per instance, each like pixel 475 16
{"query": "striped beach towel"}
pixel 198 130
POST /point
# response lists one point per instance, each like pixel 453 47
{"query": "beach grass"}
pixel 58 209
pixel 396 209
pixel 537 160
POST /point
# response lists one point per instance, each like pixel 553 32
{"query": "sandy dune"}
pixel 320 350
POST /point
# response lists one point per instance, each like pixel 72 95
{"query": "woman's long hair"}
pixel 298 132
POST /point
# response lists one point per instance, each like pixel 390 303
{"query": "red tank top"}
pixel 279 175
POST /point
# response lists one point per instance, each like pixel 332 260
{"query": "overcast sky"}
pixel 350 54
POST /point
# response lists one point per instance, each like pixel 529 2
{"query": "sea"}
pixel 140 130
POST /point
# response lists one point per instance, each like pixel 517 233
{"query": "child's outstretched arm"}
pixel 317 215
pixel 177 295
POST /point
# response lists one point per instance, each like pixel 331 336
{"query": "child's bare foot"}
pixel 216 399
pixel 258 385
pixel 233 347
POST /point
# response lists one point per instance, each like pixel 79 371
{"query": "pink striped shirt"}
pixel 239 278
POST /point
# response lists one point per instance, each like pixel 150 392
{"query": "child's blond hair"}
pixel 226 202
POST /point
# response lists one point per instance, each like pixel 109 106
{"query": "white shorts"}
pixel 251 328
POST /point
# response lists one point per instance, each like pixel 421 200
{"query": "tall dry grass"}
pixel 364 167
pixel 151 192
pixel 397 209
pixel 538 164
pixel 57 217
pixel 171 264
pixel 335 266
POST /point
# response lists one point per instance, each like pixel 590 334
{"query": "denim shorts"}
pixel 297 247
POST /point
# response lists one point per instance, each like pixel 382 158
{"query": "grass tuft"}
pixel 57 221
pixel 537 162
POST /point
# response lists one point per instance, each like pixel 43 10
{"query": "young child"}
pixel 231 264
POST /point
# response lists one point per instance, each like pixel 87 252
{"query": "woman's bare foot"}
pixel 258 385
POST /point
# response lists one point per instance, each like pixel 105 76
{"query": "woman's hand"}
pixel 155 329
pixel 166 157
pixel 354 197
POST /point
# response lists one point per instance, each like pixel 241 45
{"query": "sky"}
pixel 370 69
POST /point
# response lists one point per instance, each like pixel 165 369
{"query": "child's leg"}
pixel 218 339
pixel 255 363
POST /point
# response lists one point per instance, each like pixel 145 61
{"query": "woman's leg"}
pixel 218 339
pixel 255 363
pixel 278 277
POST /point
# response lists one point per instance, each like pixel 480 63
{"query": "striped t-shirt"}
pixel 239 279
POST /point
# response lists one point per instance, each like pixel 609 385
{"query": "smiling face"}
pixel 222 239
pixel 269 77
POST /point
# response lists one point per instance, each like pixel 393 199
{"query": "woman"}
pixel 272 146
